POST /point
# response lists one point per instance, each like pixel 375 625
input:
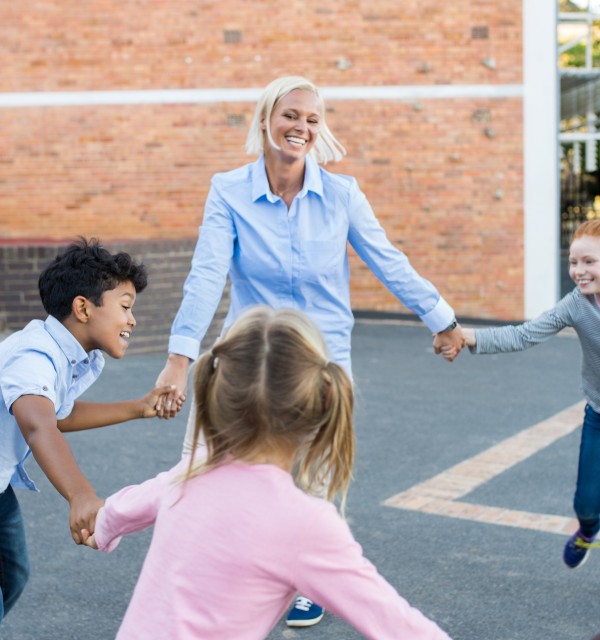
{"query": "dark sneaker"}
pixel 577 550
pixel 304 613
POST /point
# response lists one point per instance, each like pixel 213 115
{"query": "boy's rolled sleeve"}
pixel 28 373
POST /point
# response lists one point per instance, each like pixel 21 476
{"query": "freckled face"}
pixel 584 264
pixel 294 124
pixel 110 325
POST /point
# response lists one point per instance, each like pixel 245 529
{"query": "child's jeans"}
pixel 587 493
pixel 14 560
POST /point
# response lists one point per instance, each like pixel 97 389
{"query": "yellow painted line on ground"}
pixel 440 495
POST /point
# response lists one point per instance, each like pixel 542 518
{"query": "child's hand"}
pixel 84 508
pixel 470 339
pixel 89 539
pixel 150 400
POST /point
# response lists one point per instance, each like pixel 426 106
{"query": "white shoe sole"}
pixel 305 623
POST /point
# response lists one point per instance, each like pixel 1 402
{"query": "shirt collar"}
pixel 260 184
pixel 67 342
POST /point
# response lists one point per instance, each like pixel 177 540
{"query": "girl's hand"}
pixel 470 339
pixel 89 539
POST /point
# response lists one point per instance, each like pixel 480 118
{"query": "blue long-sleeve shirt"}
pixel 294 258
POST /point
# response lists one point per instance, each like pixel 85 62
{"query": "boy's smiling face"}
pixel 109 326
pixel 584 264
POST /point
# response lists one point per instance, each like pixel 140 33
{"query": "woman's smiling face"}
pixel 294 124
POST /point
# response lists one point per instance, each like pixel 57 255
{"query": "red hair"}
pixel 587 228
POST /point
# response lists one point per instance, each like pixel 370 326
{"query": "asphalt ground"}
pixel 416 417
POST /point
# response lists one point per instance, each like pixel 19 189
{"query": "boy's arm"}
pixel 91 415
pixel 36 418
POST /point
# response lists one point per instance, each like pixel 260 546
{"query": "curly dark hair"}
pixel 85 268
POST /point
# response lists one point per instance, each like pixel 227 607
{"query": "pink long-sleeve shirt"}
pixel 230 550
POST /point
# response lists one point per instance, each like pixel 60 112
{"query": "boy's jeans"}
pixel 587 494
pixel 14 560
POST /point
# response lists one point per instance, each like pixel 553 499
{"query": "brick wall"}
pixel 48 45
pixel 444 176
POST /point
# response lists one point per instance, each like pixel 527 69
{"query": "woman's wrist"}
pixel 177 360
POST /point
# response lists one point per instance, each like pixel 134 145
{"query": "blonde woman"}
pixel 279 227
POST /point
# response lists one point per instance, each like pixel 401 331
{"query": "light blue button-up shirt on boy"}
pixel 43 359
pixel 294 258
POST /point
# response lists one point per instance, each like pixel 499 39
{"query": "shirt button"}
pixel 73 361
pixel 86 361
pixel 74 376
pixel 44 388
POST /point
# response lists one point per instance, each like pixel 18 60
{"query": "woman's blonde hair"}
pixel 326 148
pixel 267 386
pixel 587 228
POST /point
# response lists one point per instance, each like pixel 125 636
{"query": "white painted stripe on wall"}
pixel 541 187
pixel 209 96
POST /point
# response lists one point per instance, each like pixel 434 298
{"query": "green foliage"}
pixel 575 56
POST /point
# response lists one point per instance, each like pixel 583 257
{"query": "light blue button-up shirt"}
pixel 43 359
pixel 294 258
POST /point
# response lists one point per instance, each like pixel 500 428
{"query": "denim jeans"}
pixel 14 559
pixel 587 493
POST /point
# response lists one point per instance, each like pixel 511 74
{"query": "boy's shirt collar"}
pixel 69 345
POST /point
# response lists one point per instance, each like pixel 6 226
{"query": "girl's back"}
pixel 222 554
pixel 231 548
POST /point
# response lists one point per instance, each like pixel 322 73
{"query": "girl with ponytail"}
pixel 275 418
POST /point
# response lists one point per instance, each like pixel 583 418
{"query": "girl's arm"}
pixel 347 584
pixel 470 337
pixel 519 337
pixel 133 508
pixel 91 415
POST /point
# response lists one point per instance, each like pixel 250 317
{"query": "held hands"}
pixel 89 539
pixel 449 343
pixel 149 402
pixel 175 375
pixel 82 516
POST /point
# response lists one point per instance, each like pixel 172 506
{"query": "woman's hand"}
pixel 449 343
pixel 174 375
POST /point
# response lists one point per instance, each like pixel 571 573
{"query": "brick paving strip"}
pixel 440 495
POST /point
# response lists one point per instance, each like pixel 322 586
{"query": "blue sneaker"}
pixel 304 613
pixel 577 550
